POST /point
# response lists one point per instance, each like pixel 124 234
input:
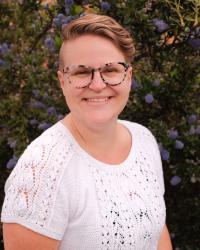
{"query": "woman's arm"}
pixel 165 241
pixel 17 237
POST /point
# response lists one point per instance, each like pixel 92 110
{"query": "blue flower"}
pixel 67 10
pixel 66 20
pixel 49 43
pixel 33 122
pixel 57 21
pixel 156 83
pixel 192 118
pixel 36 93
pixel 175 180
pixel 160 146
pixel 69 2
pixel 45 96
pixel 179 144
pixel 197 130
pixel 12 143
pixel 12 162
pixel 194 43
pixel 60 16
pixel 172 134
pixel 44 126
pixel 60 117
pixel 51 111
pixel 134 84
pixel 192 131
pixel 160 25
pixel 37 105
pixel 2 63
pixel 165 154
pixel 149 98
pixel 4 49
pixel 105 6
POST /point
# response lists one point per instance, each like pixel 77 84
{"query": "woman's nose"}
pixel 97 83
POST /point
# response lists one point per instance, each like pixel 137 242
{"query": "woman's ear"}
pixel 130 73
pixel 129 76
pixel 60 78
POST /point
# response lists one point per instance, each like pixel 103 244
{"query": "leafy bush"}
pixel 165 92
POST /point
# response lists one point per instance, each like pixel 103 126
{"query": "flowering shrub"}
pixel 164 96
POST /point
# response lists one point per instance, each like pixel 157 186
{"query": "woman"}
pixel 91 181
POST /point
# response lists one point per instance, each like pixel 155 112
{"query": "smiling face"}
pixel 98 103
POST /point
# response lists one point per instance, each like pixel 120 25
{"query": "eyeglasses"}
pixel 112 74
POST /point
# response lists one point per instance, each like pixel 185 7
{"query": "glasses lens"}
pixel 80 76
pixel 113 73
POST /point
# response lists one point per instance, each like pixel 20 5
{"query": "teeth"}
pixel 97 99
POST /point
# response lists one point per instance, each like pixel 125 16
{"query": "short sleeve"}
pixel 33 193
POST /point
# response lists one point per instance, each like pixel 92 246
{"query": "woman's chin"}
pixel 101 119
pixel 95 119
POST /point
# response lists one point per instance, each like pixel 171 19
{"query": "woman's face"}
pixel 97 103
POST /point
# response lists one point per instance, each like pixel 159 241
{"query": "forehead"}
pixel 91 50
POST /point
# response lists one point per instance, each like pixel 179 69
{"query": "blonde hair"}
pixel 99 25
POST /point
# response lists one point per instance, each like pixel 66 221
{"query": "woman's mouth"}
pixel 98 100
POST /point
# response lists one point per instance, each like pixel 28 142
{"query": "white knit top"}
pixel 59 190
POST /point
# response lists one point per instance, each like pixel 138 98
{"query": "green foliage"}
pixel 165 95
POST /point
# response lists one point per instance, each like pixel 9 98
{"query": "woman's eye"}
pixel 81 72
pixel 110 70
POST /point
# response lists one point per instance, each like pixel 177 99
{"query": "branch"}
pixel 196 12
pixel 44 31
pixel 177 8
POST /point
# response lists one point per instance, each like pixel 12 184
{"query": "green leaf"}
pixel 58 41
pixel 77 9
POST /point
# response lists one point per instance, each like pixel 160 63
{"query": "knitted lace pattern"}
pixel 59 190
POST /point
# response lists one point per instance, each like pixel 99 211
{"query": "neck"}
pixel 98 135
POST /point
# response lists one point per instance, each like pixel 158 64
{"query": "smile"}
pixel 97 100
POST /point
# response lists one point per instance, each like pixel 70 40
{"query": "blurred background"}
pixel 165 94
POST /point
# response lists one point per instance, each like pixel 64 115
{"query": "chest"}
pixel 125 208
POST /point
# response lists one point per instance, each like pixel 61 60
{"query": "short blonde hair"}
pixel 99 25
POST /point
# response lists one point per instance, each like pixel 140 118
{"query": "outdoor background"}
pixel 165 94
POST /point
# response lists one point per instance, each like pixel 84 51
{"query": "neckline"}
pixel 100 164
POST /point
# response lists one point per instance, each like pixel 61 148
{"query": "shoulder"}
pixel 51 143
pixel 55 135
pixel 44 158
pixel 137 129
pixel 143 136
pixel 34 189
pixel 148 145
